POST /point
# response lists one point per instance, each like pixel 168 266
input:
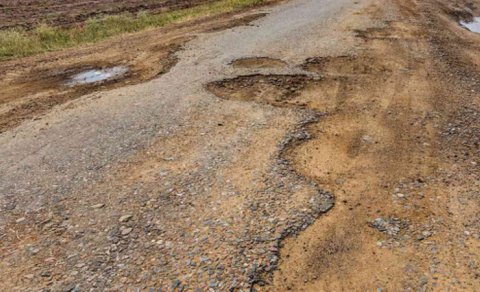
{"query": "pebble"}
pixel 98 206
pixel 424 235
pixel 125 218
pixel 126 231
pixel 20 220
pixel 390 226
pixel 427 233
pixel 33 250
pixel 45 274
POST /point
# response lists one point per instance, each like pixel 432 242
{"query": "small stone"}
pixel 125 218
pixel 126 231
pixel 33 250
pixel 50 260
pixel 390 226
pixel 400 195
pixel 425 234
pixel 20 220
pixel 45 274
pixel 98 206
pixel 367 139
pixel 69 288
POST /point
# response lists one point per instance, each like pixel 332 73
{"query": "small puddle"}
pixel 97 75
pixel 473 26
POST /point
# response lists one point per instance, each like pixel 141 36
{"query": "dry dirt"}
pixel 390 129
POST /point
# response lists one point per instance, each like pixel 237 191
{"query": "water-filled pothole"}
pixel 473 26
pixel 97 75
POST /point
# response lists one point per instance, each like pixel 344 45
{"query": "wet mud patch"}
pixel 258 63
pixel 63 77
pixel 30 92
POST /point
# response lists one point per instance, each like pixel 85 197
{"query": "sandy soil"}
pixel 327 146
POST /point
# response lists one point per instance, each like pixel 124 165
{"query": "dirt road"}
pixel 219 173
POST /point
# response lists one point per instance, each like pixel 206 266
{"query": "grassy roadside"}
pixel 20 43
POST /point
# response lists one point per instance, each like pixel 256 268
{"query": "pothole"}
pixel 271 89
pixel 97 75
pixel 321 94
pixel 258 63
pixel 473 26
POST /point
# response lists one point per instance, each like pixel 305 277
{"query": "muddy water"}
pixel 97 75
pixel 473 26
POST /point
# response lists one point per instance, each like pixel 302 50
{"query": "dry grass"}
pixel 19 43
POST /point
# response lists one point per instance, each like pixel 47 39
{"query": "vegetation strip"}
pixel 20 43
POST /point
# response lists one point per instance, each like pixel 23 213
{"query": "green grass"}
pixel 20 43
